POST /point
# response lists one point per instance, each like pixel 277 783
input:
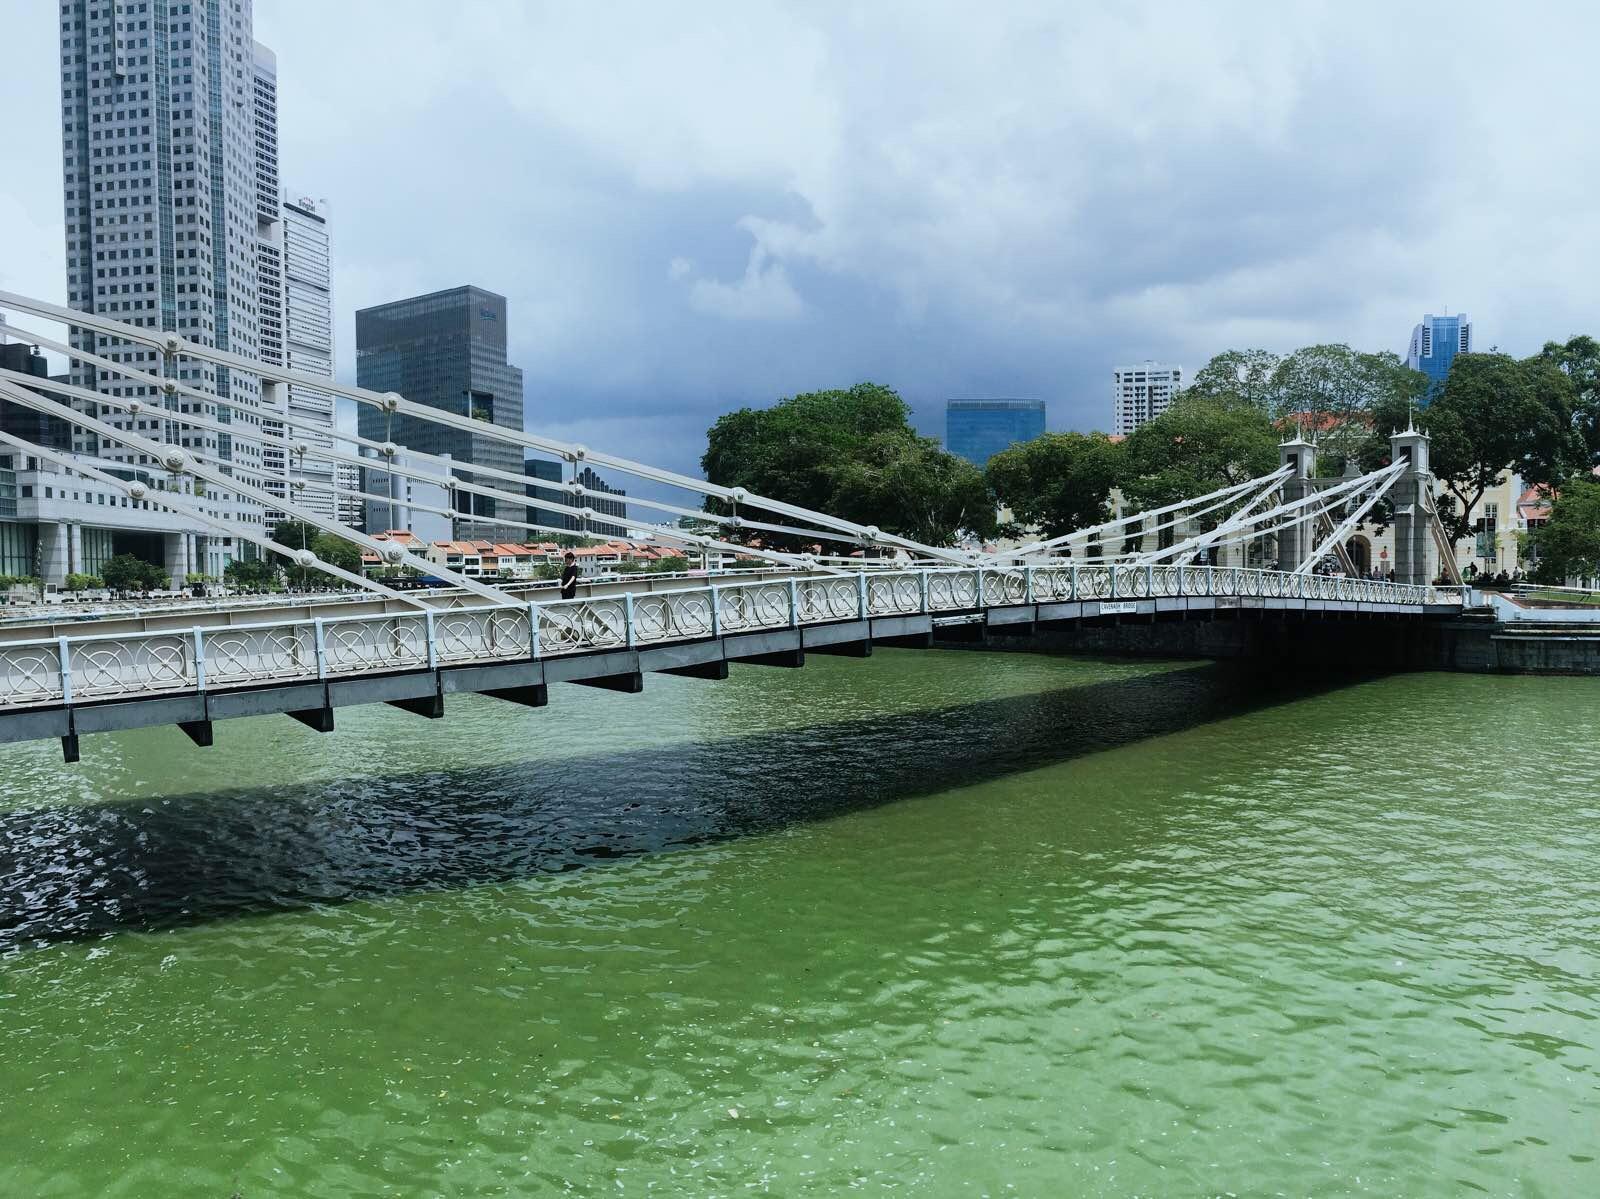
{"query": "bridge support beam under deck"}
pixel 429 706
pixel 970 633
pixel 923 640
pixel 716 670
pixel 320 719
pixel 784 657
pixel 629 683
pixel 844 649
pixel 534 696
pixel 198 731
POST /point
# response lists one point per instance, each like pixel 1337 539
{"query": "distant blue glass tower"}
pixel 1435 344
pixel 977 430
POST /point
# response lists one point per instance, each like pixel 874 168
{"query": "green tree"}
pixel 1194 447
pixel 1494 414
pixel 1059 482
pixel 852 454
pixel 335 551
pixel 1568 543
pixel 126 572
pixel 1332 392
pixel 297 534
pixel 82 582
pixel 1242 376
pixel 252 575
pixel 1579 359
pixel 669 566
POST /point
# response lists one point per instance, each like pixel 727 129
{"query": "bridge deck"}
pixel 68 684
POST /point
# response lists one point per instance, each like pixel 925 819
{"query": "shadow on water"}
pixel 83 871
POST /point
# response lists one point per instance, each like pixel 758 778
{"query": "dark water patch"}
pixel 81 871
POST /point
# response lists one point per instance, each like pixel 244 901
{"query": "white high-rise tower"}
pixel 1142 393
pixel 159 108
pixel 308 342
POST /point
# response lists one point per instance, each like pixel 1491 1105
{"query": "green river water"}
pixel 928 924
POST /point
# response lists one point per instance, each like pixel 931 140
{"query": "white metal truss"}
pixel 173 345
pixel 1384 480
pixel 389 455
pixel 445 482
pixel 1222 497
pixel 180 461
pixel 1284 515
pixel 174 503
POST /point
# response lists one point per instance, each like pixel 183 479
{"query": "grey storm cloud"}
pixel 692 208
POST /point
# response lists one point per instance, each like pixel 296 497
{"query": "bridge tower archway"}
pixel 1360 551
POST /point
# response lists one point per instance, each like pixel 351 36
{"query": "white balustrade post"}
pixel 1074 574
pixel 65 655
pixel 533 630
pixel 794 604
pixel 978 581
pixel 861 593
pixel 922 590
pixel 322 649
pixel 1149 579
pixel 716 612
pixel 433 643
pixel 1027 583
pixel 199 660
pixel 627 617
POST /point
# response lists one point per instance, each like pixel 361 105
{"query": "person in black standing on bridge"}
pixel 569 576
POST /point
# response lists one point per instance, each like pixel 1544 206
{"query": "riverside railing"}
pixel 96 667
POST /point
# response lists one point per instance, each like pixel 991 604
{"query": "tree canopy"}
pixel 1196 446
pixel 1059 482
pixel 1568 543
pixel 334 550
pixel 126 572
pixel 852 454
pixel 1494 414
pixel 1579 359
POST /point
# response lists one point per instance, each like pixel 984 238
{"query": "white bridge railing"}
pixel 93 667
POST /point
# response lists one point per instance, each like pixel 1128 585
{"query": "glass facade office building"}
pixel 1435 344
pixel 977 430
pixel 557 503
pixel 447 350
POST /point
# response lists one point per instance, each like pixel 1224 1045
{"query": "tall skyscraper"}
pixel 977 430
pixel 308 346
pixel 560 508
pixel 40 428
pixel 1435 344
pixel 159 107
pixel 447 350
pixel 1142 393
pixel 269 267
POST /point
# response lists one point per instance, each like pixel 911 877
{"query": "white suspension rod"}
pixel 1222 494
pixel 448 479
pixel 173 344
pixel 137 491
pixel 177 460
pixel 1249 520
pixel 138 407
pixel 1343 529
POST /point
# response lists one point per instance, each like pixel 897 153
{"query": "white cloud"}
pixel 947 197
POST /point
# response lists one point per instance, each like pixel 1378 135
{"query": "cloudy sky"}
pixel 696 207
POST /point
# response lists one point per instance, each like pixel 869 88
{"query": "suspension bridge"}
pixel 161 454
